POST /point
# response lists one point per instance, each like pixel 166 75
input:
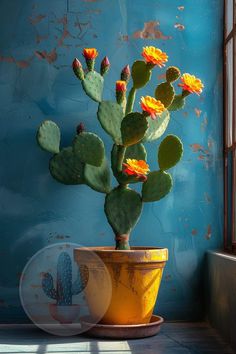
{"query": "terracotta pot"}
pixel 135 280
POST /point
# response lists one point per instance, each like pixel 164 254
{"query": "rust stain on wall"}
pixel 49 56
pixel 36 19
pixel 194 232
pixel 162 76
pixel 150 31
pixel 208 234
pixel 197 112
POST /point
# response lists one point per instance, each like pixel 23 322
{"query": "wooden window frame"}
pixel 229 144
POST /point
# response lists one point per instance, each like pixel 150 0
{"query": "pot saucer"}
pixel 124 331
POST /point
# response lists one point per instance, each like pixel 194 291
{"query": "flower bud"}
pixel 125 73
pixel 78 69
pixel 80 128
pixel 105 65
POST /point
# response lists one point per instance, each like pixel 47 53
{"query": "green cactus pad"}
pixel 98 178
pixel 178 103
pixel 172 74
pixel 110 115
pixel 157 127
pixel 133 128
pixel 66 167
pixel 48 136
pixel 123 208
pixel 165 93
pixel 157 186
pixel 90 148
pixel 170 152
pixel 136 152
pixel 141 74
pixel 93 85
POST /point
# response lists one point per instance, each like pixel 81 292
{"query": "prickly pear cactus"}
pixel 65 288
pixel 85 161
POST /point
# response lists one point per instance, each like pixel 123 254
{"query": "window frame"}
pixel 229 147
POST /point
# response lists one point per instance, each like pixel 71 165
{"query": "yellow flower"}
pixel 191 84
pixel 137 168
pixel 152 106
pixel 154 56
pixel 121 85
pixel 90 53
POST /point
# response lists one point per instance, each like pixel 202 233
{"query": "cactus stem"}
pixel 185 93
pixel 120 157
pixel 122 242
pixel 130 100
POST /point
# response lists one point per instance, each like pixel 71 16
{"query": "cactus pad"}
pixel 93 85
pixel 123 208
pixel 48 136
pixel 157 186
pixel 89 148
pixel 133 128
pixel 157 127
pixel 66 167
pixel 136 152
pixel 165 93
pixel 141 74
pixel 98 178
pixel 110 115
pixel 172 74
pixel 178 103
pixel 170 152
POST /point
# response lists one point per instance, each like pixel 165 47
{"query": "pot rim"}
pixel 137 254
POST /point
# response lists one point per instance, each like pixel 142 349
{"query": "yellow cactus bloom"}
pixel 137 168
pixel 154 56
pixel 152 106
pixel 90 53
pixel 191 84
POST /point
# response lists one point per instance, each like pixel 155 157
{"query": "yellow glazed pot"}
pixel 134 276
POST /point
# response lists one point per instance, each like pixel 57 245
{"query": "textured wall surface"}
pixel 39 40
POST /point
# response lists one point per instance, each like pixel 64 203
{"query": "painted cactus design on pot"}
pixel 65 288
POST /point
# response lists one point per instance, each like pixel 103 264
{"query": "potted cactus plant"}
pixel 135 272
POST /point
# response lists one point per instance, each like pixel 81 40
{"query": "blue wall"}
pixel 39 40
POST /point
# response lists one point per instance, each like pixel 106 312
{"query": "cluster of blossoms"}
pixel 150 106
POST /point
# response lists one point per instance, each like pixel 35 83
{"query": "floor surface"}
pixel 174 338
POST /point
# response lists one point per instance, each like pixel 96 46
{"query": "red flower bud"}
pixel 125 73
pixel 105 65
pixel 78 69
pixel 80 128
pixel 76 64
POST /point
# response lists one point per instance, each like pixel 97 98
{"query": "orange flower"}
pixel 154 56
pixel 90 53
pixel 121 85
pixel 152 106
pixel 137 168
pixel 191 84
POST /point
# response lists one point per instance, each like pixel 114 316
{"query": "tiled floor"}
pixel 174 338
